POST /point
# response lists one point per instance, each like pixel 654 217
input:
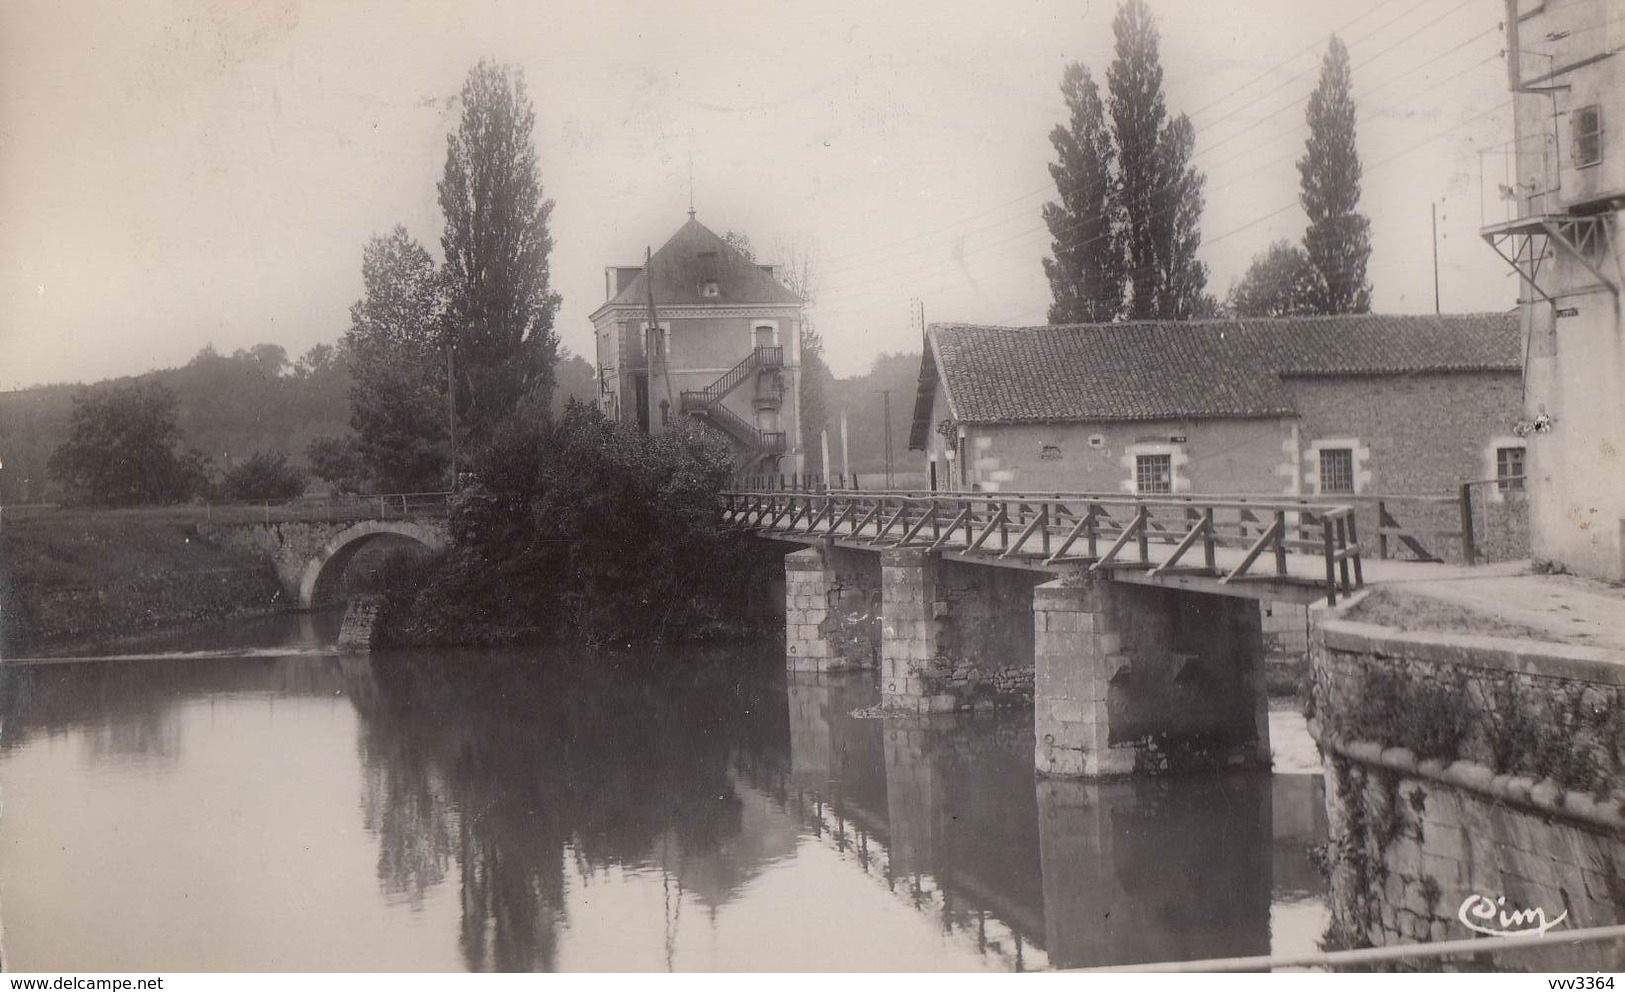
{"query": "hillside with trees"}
pixel 229 407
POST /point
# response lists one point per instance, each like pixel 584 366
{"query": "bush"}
pixel 264 475
pixel 124 449
pixel 587 529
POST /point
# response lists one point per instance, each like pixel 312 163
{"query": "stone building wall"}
pixel 1461 769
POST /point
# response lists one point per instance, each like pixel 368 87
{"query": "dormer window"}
pixel 1587 124
pixel 709 288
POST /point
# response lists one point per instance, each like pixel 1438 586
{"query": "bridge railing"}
pixel 1486 521
pixel 1234 539
pixel 385 506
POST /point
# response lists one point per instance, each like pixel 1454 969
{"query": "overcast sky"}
pixel 194 172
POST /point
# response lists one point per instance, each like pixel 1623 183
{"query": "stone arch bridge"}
pixel 310 556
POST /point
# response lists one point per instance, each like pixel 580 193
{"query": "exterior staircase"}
pixel 758 446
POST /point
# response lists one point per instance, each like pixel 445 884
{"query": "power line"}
pixel 1232 113
pixel 1209 148
pixel 1257 220
pixel 1049 186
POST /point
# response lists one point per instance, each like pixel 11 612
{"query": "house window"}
pixel 1336 470
pixel 1587 134
pixel 710 288
pixel 1154 473
pixel 1509 470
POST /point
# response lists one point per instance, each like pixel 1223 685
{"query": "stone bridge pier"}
pixel 1124 678
pixel 1143 679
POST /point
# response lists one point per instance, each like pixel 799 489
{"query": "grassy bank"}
pixel 75 578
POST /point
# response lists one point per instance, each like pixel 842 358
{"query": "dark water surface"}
pixel 518 811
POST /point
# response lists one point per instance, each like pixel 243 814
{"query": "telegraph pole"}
pixel 886 395
pixel 1435 207
pixel 451 404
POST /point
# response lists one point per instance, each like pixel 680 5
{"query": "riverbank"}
pixel 75 580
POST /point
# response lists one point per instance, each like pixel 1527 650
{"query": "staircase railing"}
pixel 743 431
pixel 707 403
pixel 693 400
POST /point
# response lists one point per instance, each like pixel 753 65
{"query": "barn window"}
pixel 1336 470
pixel 1509 468
pixel 1587 125
pixel 1154 473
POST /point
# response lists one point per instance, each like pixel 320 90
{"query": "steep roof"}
pixel 1157 370
pixel 694 256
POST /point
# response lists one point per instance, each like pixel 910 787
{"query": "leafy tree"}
pixel 264 475
pixel 1279 283
pixel 574 378
pixel 583 528
pixel 740 241
pixel 398 367
pixel 124 449
pixel 1159 191
pixel 1338 241
pixel 500 307
pixel 337 461
pixel 1086 273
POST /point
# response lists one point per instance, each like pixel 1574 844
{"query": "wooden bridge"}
pixel 1257 548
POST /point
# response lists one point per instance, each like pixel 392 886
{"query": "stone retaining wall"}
pixel 1462 768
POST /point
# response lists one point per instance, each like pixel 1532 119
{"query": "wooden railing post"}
pixel 1331 572
pixel 1469 552
pixel 1343 546
pixel 1280 542
pixel 1354 542
pixel 1209 549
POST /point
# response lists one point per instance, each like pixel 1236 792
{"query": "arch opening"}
pixel 323 580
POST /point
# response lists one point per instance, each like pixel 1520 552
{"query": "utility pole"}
pixel 846 460
pixel 451 404
pixel 886 395
pixel 1435 207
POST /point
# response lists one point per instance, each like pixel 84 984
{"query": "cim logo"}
pixel 1481 914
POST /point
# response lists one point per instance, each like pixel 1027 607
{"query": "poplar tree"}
pixel 1159 192
pixel 1086 270
pixel 1176 226
pixel 1338 240
pixel 398 371
pixel 496 246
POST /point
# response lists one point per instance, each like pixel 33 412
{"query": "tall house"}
pixel 703 331
pixel 1561 192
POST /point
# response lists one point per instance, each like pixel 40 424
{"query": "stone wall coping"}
pixel 1539 658
pixel 1544 797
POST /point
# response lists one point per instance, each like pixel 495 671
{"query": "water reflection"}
pixel 678 811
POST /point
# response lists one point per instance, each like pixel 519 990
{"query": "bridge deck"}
pixel 1278 550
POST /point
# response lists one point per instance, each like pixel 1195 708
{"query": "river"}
pixel 250 801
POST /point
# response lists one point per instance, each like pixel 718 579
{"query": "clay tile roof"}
pixel 1152 370
pixel 696 255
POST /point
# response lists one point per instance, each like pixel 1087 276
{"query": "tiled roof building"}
pixel 1348 406
pixel 700 330
pixel 1197 369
